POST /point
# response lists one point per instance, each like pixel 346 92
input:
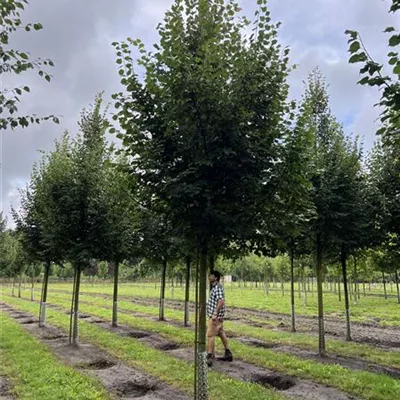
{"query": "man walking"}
pixel 215 313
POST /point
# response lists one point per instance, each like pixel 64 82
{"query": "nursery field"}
pixel 149 359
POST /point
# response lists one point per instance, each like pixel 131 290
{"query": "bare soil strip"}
pixel 5 388
pixel 122 381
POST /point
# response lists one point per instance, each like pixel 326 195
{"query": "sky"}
pixel 77 36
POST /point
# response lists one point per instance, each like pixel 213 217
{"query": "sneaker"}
pixel 210 359
pixel 228 356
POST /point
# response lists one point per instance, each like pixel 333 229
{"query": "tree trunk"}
pixel 355 281
pixel 319 273
pixel 19 285
pixel 364 289
pixel 299 286
pixel 283 287
pixel 339 290
pixel 187 292
pixel 43 300
pixel 161 316
pixel 202 393
pixel 384 284
pixel 115 295
pixel 33 284
pixel 343 257
pixel 75 329
pixel 396 275
pixel 292 289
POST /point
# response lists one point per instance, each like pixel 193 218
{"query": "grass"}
pixel 304 341
pixel 35 372
pixel 364 384
pixel 370 309
pixel 176 372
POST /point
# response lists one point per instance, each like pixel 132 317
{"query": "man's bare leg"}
pixel 223 338
pixel 211 345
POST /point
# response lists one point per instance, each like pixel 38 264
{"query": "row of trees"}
pixel 215 161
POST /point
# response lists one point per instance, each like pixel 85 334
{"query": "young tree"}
pixel 203 126
pixel 324 179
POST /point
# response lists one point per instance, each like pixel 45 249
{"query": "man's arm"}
pixel 220 303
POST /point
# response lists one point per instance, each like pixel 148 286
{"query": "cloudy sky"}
pixel 77 35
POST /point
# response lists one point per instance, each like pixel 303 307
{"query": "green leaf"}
pixel 396 69
pixel 394 40
pixel 37 26
pixel 389 29
pixel 353 34
pixel 355 46
pixel 24 56
pixel 359 57
pixel 26 88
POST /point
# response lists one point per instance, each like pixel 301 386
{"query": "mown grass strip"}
pixel 36 373
pixel 364 384
pixel 175 372
pixel 300 340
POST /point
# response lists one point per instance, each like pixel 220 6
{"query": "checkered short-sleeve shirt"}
pixel 216 293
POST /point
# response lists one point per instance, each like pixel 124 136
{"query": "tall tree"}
pixel 325 168
pixel 203 126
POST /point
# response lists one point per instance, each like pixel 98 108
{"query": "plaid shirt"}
pixel 216 293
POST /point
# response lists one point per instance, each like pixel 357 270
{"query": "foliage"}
pixel 373 75
pixel 17 62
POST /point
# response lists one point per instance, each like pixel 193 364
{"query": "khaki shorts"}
pixel 214 328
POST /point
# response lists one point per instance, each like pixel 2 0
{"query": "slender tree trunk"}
pixel 339 290
pixel 283 287
pixel 319 273
pixel 187 292
pixel 161 316
pixel 19 285
pixel 196 327
pixel 75 329
pixel 355 280
pixel 202 354
pixel 396 275
pixel 384 284
pixel 292 309
pixel 43 300
pixel 364 289
pixel 13 287
pixel 299 286
pixel 115 295
pixel 33 284
pixel 346 294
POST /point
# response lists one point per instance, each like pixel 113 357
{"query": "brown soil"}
pixel 122 381
pixel 5 389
